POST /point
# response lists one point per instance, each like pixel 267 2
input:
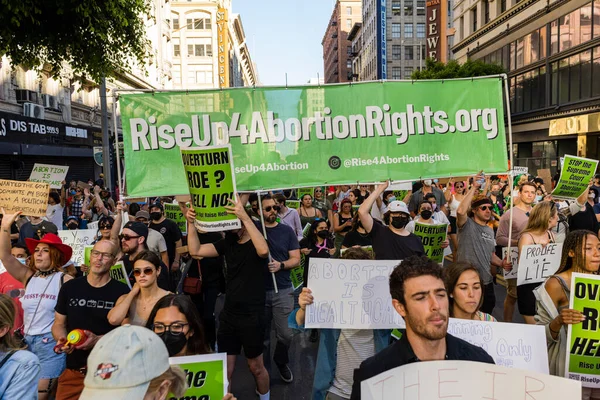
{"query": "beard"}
pixel 271 218
pixel 426 330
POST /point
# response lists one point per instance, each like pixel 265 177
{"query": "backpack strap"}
pixel 6 357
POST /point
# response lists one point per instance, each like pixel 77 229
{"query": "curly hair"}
pixel 412 267
pixel 575 242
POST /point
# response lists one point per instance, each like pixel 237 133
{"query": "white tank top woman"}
pixel 454 206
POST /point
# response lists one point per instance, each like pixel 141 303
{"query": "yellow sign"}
pixel 575 125
pixel 223 47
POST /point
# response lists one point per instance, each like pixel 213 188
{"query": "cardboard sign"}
pixel 29 197
pixel 173 212
pixel 574 177
pixel 546 176
pixel 211 183
pixel 432 237
pixel 514 259
pixel 83 185
pixel 351 294
pixel 510 345
pixel 583 351
pixel 466 380
pixel 78 239
pixel 538 263
pixel 206 375
pixel 50 174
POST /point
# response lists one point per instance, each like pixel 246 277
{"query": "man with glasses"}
pixel 133 240
pixel 83 303
pixel 476 238
pixel 285 255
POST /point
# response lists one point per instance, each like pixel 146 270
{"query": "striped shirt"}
pixel 354 347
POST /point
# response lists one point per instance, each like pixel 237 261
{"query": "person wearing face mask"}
pixel 317 244
pixel 242 320
pixel 438 215
pixel 12 287
pixel 72 223
pixel 134 307
pixel 169 230
pixel 358 236
pixel 418 197
pixel 393 242
pixel 426 216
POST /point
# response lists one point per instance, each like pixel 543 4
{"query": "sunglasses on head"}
pixel 146 271
pixel 269 208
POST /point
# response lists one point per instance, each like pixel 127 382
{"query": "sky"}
pixel 284 36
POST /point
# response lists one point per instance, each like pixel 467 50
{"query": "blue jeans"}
pixel 278 307
pixel 43 347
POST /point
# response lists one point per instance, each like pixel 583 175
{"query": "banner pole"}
pixel 264 229
pixel 114 117
pixel 510 155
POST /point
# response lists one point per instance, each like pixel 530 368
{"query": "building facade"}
pixel 551 51
pixel 337 49
pixel 391 42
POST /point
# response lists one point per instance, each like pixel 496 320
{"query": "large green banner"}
pixel 574 177
pixel 305 136
pixel 206 376
pixel 583 350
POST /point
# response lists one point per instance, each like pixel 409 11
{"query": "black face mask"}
pixel 323 234
pixel 72 226
pixel 426 214
pixel 399 222
pixel 155 216
pixel 174 343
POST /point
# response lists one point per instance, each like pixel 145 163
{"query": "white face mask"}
pixel 22 260
pixel 591 196
pixel 427 182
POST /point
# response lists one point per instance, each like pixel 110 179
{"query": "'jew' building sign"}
pixel 365 132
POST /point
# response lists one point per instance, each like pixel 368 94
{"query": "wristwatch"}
pixel 281 266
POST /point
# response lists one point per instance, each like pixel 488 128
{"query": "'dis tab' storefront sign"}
pixel 223 46
pixel 437 11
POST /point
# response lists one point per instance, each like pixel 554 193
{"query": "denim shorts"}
pixel 43 347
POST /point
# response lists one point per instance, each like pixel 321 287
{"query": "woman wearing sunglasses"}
pixel 134 308
pixel 542 219
pixel 453 200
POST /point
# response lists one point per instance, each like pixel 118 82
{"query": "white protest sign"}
pixel 466 380
pixel 510 345
pixel 514 259
pixel 78 239
pixel 93 225
pixel 400 186
pixel 537 263
pixel 351 294
pixel 520 170
pixel 51 174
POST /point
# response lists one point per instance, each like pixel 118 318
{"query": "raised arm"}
pixel 465 204
pixel 194 246
pixel 12 265
pixel 364 211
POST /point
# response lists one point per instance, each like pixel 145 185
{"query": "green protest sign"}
pixel 295 204
pixel 206 376
pixel 87 253
pixel 333 134
pixel 432 237
pixel 583 352
pixel 297 274
pixel 173 212
pixel 305 191
pixel 306 230
pixel 119 273
pixel 211 184
pixel 574 177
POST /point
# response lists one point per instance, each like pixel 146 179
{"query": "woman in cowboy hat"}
pixel 42 279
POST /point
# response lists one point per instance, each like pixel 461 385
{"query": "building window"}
pixel 176 51
pixel 408 8
pixel 396 51
pixel 349 24
pixel 408 72
pixel 175 23
pixel 474 20
pixel 420 7
pixel 396 7
pixel 486 11
pixel 396 30
pixel 198 23
pixel 348 10
pixel 409 53
pixel 396 73
pixel 502 6
pixel 349 64
pixel 408 30
pixel 420 30
pixel 199 49
pixel 349 51
pixel 190 23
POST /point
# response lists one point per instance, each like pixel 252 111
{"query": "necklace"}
pixel 44 274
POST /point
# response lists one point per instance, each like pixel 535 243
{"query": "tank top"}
pixel 454 206
pixel 306 219
pixel 342 221
pixel 565 289
pixel 42 291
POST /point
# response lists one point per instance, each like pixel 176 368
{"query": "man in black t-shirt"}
pixel 393 242
pixel 241 323
pixel 170 232
pixel 84 303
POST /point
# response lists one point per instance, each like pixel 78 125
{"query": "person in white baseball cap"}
pixel 393 242
pixel 131 362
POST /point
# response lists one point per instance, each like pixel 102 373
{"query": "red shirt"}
pixel 15 290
